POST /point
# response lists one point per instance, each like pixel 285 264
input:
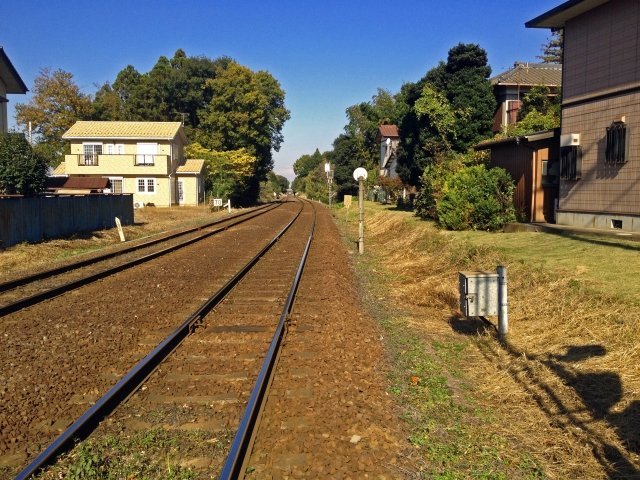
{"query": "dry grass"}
pixel 25 258
pixel 565 385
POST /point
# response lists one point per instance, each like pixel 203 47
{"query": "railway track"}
pixel 231 336
pixel 22 292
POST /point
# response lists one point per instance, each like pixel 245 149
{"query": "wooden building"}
pixel 533 163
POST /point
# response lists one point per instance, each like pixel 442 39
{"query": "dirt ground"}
pixel 329 415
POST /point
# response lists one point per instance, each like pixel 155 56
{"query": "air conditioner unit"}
pixel 138 205
pixel 570 140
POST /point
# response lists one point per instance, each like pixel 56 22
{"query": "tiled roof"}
pixel 388 131
pixel 191 166
pixel 59 170
pixel 524 73
pixel 124 130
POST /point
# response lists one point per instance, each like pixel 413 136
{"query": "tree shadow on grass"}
pixel 599 391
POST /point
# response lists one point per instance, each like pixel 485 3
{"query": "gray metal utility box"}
pixel 478 293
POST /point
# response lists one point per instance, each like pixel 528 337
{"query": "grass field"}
pixel 559 398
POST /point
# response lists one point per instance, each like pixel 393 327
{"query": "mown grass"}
pixel 525 407
pixel 607 265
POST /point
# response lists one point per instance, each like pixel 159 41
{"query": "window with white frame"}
pixel 116 184
pixel 146 153
pixel 90 153
pixel 115 148
pixel 146 185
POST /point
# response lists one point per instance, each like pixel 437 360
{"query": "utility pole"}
pixel 329 173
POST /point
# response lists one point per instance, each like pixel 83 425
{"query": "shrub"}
pixel 22 171
pixel 476 198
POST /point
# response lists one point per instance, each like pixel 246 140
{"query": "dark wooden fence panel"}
pixel 31 219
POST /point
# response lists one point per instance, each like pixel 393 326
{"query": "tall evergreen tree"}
pixel 468 90
pixel 552 51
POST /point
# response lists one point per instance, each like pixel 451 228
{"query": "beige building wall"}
pixel 161 196
pixel 122 164
pixel 191 190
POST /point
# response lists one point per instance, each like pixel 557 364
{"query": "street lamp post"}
pixel 360 174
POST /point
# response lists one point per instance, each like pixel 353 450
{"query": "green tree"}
pixel 307 163
pixel 431 127
pixel 228 172
pixel 468 89
pixel 434 108
pixel 246 110
pixel 22 171
pixel 274 185
pixel 539 111
pixel 56 105
pixel 552 50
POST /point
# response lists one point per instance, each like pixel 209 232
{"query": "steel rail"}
pixel 128 384
pixel 60 289
pixel 238 454
pixel 18 282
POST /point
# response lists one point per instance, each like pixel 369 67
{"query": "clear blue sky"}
pixel 326 54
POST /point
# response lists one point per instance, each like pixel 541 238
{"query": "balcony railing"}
pixel 139 159
pixel 108 164
pixel 90 159
pixel 145 159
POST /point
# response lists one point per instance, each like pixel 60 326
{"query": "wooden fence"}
pixel 31 219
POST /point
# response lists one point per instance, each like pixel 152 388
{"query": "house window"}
pixel 146 185
pixel 90 153
pixel 616 151
pixel 115 148
pixel 146 153
pixel 180 191
pixel 570 163
pixel 116 184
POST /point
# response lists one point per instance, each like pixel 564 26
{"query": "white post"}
pixel 503 317
pixel 229 205
pixel 361 215
pixel 120 231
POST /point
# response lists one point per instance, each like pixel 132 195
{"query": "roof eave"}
pixel 117 137
pixel 558 16
pixel 18 85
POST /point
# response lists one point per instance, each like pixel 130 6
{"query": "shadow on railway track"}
pixel 600 392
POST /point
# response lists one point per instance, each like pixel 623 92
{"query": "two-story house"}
pixel 10 82
pixel 389 137
pixel 511 86
pixel 600 133
pixel 142 158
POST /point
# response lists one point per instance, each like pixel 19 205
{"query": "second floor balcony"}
pixel 105 164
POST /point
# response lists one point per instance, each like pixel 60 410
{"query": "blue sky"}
pixel 327 54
